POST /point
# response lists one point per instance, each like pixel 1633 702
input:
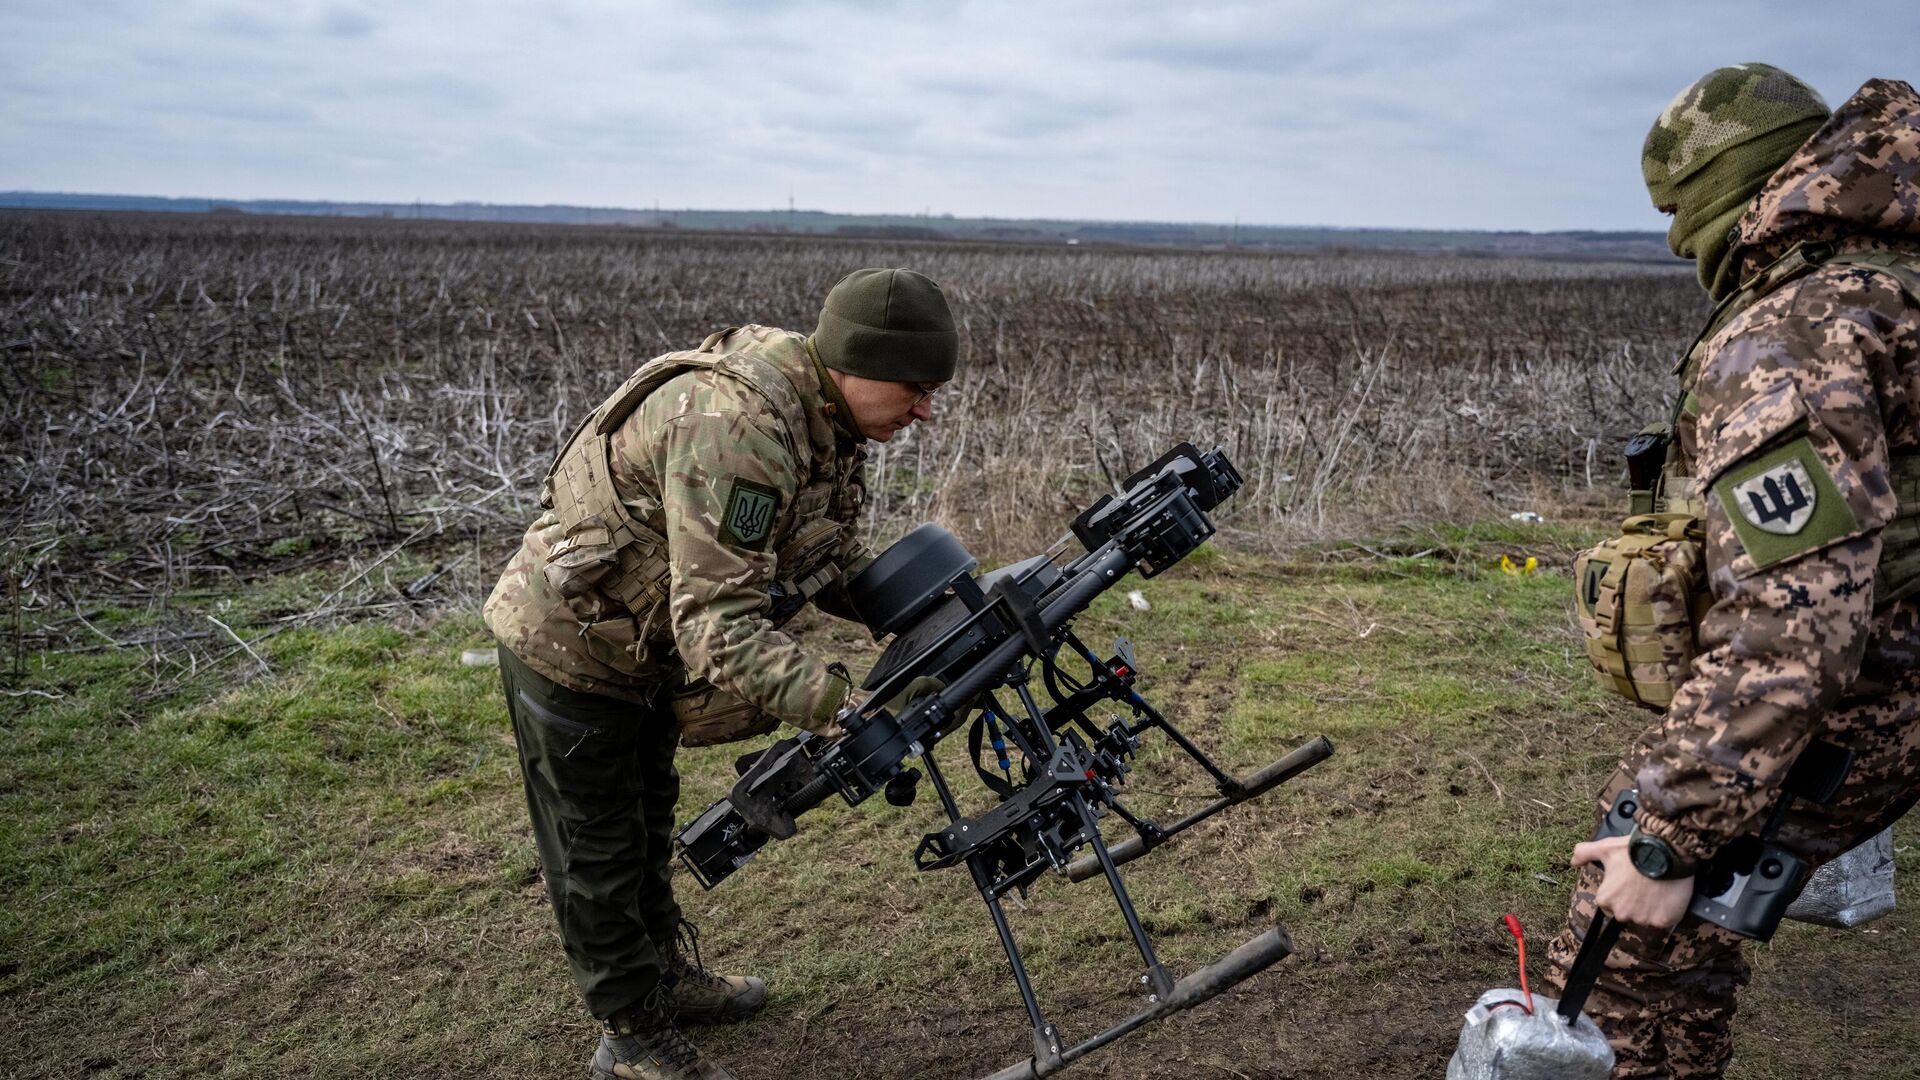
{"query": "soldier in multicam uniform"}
pixel 1795 442
pixel 695 510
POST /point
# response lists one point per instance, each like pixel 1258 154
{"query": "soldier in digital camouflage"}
pixel 693 512
pixel 1795 441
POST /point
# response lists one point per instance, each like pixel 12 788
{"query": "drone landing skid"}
pixel 1256 955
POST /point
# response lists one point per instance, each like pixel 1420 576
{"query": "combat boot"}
pixel 701 996
pixel 643 1044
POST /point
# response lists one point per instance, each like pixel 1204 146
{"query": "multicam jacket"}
pixel 735 475
pixel 1799 416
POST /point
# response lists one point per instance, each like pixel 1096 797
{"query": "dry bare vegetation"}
pixel 191 400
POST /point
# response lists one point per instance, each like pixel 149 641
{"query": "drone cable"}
pixel 999 746
pixel 988 725
pixel 1520 938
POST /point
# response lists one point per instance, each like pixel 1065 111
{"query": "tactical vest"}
pixel 1898 573
pixel 1641 595
pixel 599 548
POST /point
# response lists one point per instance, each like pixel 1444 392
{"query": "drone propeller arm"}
pixel 1297 761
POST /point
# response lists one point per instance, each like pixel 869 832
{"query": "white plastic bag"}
pixel 1853 889
pixel 1508 1043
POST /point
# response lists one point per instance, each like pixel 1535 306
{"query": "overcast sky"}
pixel 1389 113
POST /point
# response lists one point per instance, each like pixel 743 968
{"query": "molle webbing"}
pixel 589 510
pixel 1680 495
pixel 765 379
pixel 588 506
pixel 1641 595
pixel 807 557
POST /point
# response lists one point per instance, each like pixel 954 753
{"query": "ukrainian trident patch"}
pixel 1780 500
pixel 748 521
pixel 1783 503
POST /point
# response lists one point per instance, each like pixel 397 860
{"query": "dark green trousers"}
pixel 601 788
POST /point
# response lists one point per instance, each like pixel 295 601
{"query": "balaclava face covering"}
pixel 1714 148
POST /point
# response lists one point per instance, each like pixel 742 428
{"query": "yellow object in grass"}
pixel 1508 565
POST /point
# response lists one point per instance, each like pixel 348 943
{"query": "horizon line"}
pixel 794 212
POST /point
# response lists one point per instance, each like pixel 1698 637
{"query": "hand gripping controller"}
pixel 1747 887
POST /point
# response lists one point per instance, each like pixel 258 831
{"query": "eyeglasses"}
pixel 927 390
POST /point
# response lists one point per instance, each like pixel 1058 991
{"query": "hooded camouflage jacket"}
pixel 740 460
pixel 1815 389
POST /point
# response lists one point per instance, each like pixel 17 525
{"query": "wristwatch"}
pixel 1656 859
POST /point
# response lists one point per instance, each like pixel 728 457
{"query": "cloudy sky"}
pixel 1392 113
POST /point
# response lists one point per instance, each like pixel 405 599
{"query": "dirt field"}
pixel 326 871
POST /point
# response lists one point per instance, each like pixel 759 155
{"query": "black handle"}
pixel 1602 932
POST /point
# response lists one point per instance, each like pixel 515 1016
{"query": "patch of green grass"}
pixel 331 865
pixel 168 834
pixel 1493 533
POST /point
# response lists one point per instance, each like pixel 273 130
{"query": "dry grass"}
pixel 189 401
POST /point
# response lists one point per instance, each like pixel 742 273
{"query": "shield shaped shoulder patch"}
pixel 748 520
pixel 1783 503
pixel 1780 500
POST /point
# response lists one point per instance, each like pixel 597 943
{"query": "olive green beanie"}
pixel 1713 149
pixel 888 324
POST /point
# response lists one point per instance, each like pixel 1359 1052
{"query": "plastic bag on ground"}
pixel 1853 889
pixel 1508 1043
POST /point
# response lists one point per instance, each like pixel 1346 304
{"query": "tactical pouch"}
pixel 578 558
pixel 707 714
pixel 1641 596
pixel 1646 460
